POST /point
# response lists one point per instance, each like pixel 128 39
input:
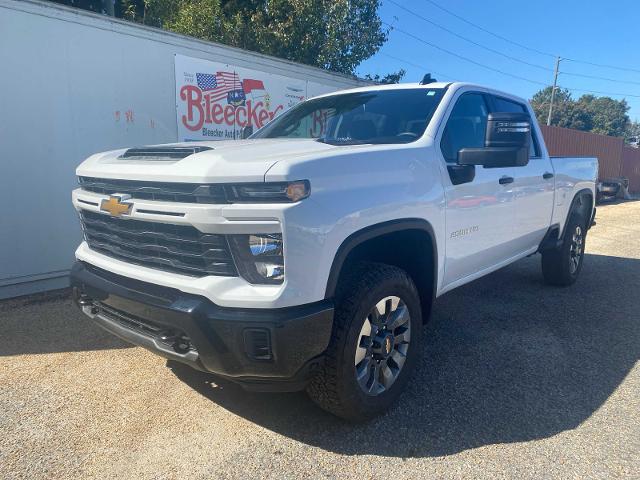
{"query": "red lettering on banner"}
pixel 275 112
pixel 253 114
pixel 207 108
pixel 193 96
pixel 242 123
pixel 217 114
pixel 229 114
pixel 263 117
pixel 201 109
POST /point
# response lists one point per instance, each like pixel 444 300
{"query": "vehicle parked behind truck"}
pixel 309 255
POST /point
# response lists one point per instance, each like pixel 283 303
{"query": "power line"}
pixel 497 52
pixel 600 92
pixel 505 55
pixel 508 40
pixel 602 65
pixel 597 77
pixel 437 47
pixel 451 77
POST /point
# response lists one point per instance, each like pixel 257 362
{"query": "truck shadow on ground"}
pixel 506 359
pixel 49 323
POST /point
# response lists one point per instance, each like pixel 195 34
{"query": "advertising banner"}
pixel 214 101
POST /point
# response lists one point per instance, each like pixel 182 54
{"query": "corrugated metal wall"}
pixel 568 142
pixel 631 167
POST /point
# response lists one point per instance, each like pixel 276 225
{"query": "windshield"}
pixel 383 116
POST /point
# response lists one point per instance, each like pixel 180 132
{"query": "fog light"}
pixel 270 270
pixel 259 257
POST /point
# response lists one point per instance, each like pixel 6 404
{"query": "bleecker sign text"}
pixel 215 101
pixel 204 108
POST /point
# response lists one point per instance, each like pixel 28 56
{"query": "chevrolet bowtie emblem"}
pixel 387 345
pixel 116 205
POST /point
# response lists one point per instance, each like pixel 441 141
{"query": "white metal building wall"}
pixel 73 83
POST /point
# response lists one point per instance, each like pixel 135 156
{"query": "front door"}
pixel 480 213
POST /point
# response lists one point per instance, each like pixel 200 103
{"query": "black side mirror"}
pixel 247 131
pixel 506 142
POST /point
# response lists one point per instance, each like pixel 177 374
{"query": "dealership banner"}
pixel 215 101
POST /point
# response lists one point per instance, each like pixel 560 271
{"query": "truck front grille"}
pixel 169 192
pixel 174 248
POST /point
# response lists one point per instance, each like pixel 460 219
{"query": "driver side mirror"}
pixel 506 142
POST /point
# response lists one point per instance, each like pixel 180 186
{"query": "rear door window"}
pixel 503 105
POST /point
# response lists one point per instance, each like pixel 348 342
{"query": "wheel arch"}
pixel 582 200
pixel 367 242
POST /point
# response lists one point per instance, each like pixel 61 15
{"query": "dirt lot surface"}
pixel 518 379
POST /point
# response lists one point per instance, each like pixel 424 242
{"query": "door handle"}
pixel 547 175
pixel 504 180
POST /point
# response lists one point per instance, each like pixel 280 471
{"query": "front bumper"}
pixel 262 349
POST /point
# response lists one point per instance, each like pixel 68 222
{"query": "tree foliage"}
pixel 633 129
pixel 602 115
pixel 393 77
pixel 333 34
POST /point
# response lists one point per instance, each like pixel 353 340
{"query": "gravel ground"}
pixel 517 380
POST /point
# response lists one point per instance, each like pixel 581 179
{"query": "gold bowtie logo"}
pixel 116 206
pixel 387 345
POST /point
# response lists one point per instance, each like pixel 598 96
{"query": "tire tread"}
pixel 324 388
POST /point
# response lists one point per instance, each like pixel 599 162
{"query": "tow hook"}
pixel 178 341
pixel 83 300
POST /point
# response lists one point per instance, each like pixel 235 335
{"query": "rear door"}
pixel 479 213
pixel 533 187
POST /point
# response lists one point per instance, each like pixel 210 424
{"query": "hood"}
pixel 221 162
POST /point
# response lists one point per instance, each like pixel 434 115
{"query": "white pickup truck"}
pixel 308 256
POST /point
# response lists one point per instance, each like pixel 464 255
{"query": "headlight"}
pixel 259 257
pixel 270 192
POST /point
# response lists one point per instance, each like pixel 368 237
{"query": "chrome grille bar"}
pixel 176 248
pixel 170 192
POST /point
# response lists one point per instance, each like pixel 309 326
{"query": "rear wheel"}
pixel 561 266
pixel 375 343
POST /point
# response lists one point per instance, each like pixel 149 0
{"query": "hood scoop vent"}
pixel 162 153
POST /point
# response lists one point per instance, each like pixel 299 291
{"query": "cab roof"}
pixel 428 86
pixel 391 86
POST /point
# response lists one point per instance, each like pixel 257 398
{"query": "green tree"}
pixel 589 113
pixel 565 114
pixel 393 77
pixel 633 129
pixel 608 116
pixel 332 34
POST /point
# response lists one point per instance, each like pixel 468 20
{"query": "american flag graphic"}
pixel 206 81
pixel 218 85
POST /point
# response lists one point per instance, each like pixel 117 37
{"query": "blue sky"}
pixel 593 31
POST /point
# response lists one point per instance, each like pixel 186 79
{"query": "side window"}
pixel 466 126
pixel 504 105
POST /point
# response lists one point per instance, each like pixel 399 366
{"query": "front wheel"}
pixel 375 343
pixel 561 266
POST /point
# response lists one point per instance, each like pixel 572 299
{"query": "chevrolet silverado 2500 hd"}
pixel 309 255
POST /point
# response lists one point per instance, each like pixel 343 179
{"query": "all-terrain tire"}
pixel 562 265
pixel 335 388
